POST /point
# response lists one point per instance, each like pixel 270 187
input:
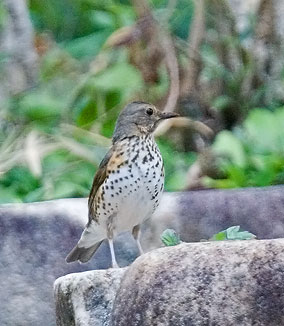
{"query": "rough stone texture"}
pixel 199 214
pixel 224 284
pixel 35 238
pixel 85 299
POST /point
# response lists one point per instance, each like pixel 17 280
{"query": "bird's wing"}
pixel 98 181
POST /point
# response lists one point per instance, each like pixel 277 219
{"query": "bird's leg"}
pixel 110 241
pixel 136 235
pixel 113 260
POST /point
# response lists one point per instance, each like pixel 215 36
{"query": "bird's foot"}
pixel 114 264
pixel 141 252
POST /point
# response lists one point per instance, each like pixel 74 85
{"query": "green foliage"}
pixel 82 87
pixel 2 14
pixel 232 233
pixel 254 154
pixel 176 165
pixel 86 47
pixel 265 130
pixel 81 17
pixel 63 176
pixel 70 109
pixel 19 183
pixel 39 106
pixel 72 112
pixel 121 77
pixel 170 238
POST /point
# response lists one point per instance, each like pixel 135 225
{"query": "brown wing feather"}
pixel 98 181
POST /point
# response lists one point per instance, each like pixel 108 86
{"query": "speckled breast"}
pixel 133 190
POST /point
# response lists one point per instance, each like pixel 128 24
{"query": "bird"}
pixel 128 184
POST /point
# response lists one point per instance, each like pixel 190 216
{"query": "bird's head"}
pixel 139 118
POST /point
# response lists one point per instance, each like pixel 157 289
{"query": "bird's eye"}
pixel 149 111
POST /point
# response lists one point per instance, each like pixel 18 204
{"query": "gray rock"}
pixel 36 237
pixel 221 283
pixel 198 215
pixel 85 299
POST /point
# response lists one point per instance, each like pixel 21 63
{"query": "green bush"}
pixel 52 137
pixel 252 155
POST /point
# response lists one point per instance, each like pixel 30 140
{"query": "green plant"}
pixel 176 165
pixel 171 238
pixel 52 137
pixel 252 155
pixel 232 233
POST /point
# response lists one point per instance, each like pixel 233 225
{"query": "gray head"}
pixel 139 118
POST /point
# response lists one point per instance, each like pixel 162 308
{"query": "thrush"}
pixel 128 185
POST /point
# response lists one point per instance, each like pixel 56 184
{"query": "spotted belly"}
pixel 131 196
pixel 133 192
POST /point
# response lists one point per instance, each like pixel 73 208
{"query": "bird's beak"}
pixel 168 115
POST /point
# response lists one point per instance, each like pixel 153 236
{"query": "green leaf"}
pixel 37 106
pixel 20 179
pixel 175 169
pixel 9 195
pixel 121 76
pixel 233 233
pixel 228 144
pixel 264 129
pixel 219 236
pixel 102 19
pixel 170 238
pixel 220 183
pixel 237 175
pixel 87 111
pixel 86 46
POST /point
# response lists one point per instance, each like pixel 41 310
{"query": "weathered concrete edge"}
pixel 69 293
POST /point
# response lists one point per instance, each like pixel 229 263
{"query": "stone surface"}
pixel 198 215
pixel 36 237
pixel 84 299
pixel 219 283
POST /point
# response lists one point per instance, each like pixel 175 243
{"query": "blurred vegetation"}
pixel 53 136
pixel 252 155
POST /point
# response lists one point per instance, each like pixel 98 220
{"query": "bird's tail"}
pixel 82 254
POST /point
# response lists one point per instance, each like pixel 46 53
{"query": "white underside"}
pixel 130 207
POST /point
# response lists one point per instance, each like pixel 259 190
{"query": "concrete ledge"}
pixel 86 298
pixel 36 237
